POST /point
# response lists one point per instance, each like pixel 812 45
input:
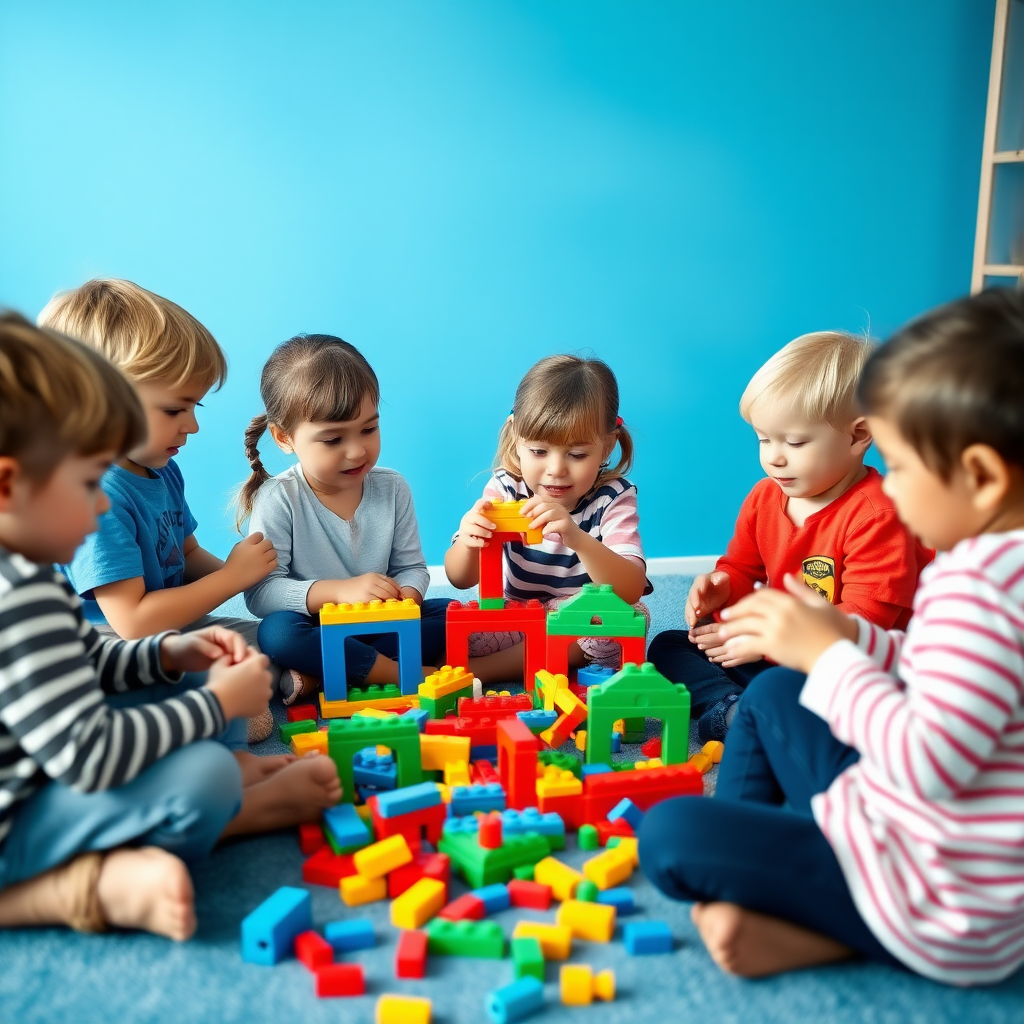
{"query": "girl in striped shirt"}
pixel 875 806
pixel 554 450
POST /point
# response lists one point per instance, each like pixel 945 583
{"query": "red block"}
pixel 311 838
pixel 326 867
pixel 415 826
pixel 340 980
pixel 517 763
pixel 652 748
pixel 530 619
pixel 423 865
pixel 645 788
pixel 606 829
pixel 483 772
pixel 490 831
pixel 494 707
pixel 569 808
pixel 479 730
pixel 411 955
pixel 313 950
pixel 529 894
pixel 466 908
pixel 301 713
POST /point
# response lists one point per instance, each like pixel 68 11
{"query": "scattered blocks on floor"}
pixel 555 939
pixel 357 890
pixel 516 1001
pixel 419 903
pixel 587 892
pixel 526 893
pixel 580 986
pixel 313 950
pixel 466 907
pixel 469 799
pixel 466 938
pixel 587 838
pixel 411 954
pixel 621 899
pixel 348 936
pixel 402 1010
pixel 527 958
pixel 377 859
pixel 562 878
pixel 592 921
pixel 346 828
pixel 643 937
pixel 269 932
pixel 408 799
pixel 340 980
pixel 627 810
pixel 495 898
pixel 610 868
pixel 714 749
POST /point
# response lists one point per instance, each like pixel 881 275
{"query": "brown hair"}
pixel 58 397
pixel 565 400
pixel 144 335
pixel 308 379
pixel 953 378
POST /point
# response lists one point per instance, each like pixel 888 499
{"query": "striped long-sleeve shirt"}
pixel 55 724
pixel 928 825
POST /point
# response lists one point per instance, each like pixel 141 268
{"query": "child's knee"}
pixel 669 830
pixel 773 688
pixel 210 780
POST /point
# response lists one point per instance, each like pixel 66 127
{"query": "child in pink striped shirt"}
pixel 876 806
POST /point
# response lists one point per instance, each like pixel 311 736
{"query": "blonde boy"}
pixel 820 515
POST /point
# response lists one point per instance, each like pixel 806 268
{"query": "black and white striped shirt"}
pixel 55 724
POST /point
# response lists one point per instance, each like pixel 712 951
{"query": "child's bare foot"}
pixel 754 945
pixel 297 793
pixel 148 889
pixel 302 686
pixel 256 769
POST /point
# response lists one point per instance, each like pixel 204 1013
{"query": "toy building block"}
pixel 348 936
pixel 470 799
pixel 355 891
pixel 479 731
pixel 517 763
pixel 346 737
pixel 628 845
pixel 508 517
pixel 374 713
pixel 440 692
pixel 515 1001
pixel 524 872
pixel 701 762
pixel 418 904
pixel 325 867
pixel 567 762
pixel 608 869
pixel 466 907
pixel 529 619
pixel 340 621
pixel 523 893
pixel 652 748
pixel 402 1010
pixel 579 986
pixel 592 921
pixel 387 697
pixel 346 828
pixel 456 773
pixel 620 898
pixel 569 808
pixel 268 933
pixel 313 950
pixel 424 864
pixel 625 808
pixel 304 743
pixel 562 878
pixel 340 980
pixel 311 838
pixel 298 712
pixel 558 782
pixel 513 822
pixel 572 714
pixel 547 685
pixel 592 675
pixel 372 768
pixel 437 750
pixel 377 859
pixel 483 939
pixel 495 706
pixel 482 867
pixel 714 749
pixel 490 831
pixel 418 715
pixel 555 939
pixel 645 788
pixel 411 954
pixel 286 730
pixel 579 737
pixel 595 769
pixel 587 892
pixel 408 799
pixel 539 720
pixel 527 958
pixel 416 826
pixel 607 830
pixel 595 611
pixel 483 772
pixel 587 838
pixel 643 937
pixel 495 898
pixel 656 762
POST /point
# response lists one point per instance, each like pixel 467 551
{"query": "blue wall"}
pixel 460 188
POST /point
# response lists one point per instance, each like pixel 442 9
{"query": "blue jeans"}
pixel 755 842
pixel 680 661
pixel 293 641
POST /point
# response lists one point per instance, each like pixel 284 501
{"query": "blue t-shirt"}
pixel 143 534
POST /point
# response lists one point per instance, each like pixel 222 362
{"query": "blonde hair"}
pixel 566 400
pixel 144 335
pixel 58 397
pixel 818 373
pixel 310 378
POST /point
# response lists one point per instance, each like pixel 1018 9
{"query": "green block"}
pixel 438 707
pixel 466 938
pixel 482 867
pixel 527 958
pixel 623 766
pixel 286 730
pixel 567 762
pixel 373 692
pixel 587 838
pixel 347 736
pixel 492 604
pixel 586 891
pixel 614 841
pixel 616 617
pixel 524 872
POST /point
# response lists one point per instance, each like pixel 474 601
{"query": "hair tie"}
pixel 618 421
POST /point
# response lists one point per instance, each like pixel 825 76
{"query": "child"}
pixel 907 749
pixel 344 529
pixel 100 808
pixel 554 450
pixel 821 514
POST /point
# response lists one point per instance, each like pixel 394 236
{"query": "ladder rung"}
pixel 1002 270
pixel 1009 156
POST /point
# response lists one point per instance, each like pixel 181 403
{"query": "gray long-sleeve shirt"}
pixel 313 543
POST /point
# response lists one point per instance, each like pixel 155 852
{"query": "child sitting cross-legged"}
pixel 874 806
pixel 820 515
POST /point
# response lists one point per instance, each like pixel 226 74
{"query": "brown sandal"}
pixel 79 881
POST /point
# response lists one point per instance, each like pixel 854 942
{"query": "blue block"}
pixel 515 1001
pixel 593 675
pixel 484 753
pixel 332 648
pixel 616 742
pixel 495 897
pixel 347 829
pixel 372 769
pixel 531 820
pixel 628 811
pixel 268 933
pixel 621 899
pixel 460 826
pixel 421 716
pixel 348 936
pixel 537 721
pixel 470 799
pixel 408 799
pixel 643 937
pixel 596 769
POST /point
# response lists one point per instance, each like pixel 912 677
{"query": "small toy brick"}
pixel 524 893
pixel 268 933
pixel 580 986
pixel 378 859
pixel 608 869
pixel 513 1002
pixel 701 762
pixel 527 958
pixel 313 950
pixel 495 898
pixel 621 899
pixel 616 741
pixel 548 825
pixel 524 873
pixel 483 939
pixel 340 980
pixel 423 865
pixel 491 831
pixel 418 715
pixel 538 721
pixel 587 838
pixel 305 743
pixel 562 878
pixel 356 890
pixel 558 782
pixel 346 828
pixel 596 769
pixel 626 844
pixel 495 706
pixel 436 751
pixel 468 799
pixel 391 610
pixel 555 939
pixel 579 737
pixel 587 892
pixel 608 830
pixel 348 936
pixel 456 773
pixel 418 904
pixel 625 808
pixel 652 748
pixel 408 799
pixel 466 907
pixel 593 675
pixel 592 921
pixel 411 955
pixel 286 730
pixel 300 712
pixel 375 713
pixel 387 698
pixel 714 749
pixel 402 1010
pixel 311 838
pixel 325 867
pixel 483 772
pixel 643 937
pixel 445 682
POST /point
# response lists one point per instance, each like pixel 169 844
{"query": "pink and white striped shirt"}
pixel 928 825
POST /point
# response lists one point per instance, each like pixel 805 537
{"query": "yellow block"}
pixel 347 708
pixel 445 791
pixel 357 890
pixel 579 986
pixel 364 812
pixel 403 1010
pixel 592 921
pixel 445 681
pixel 456 773
pixel 369 611
pixel 558 782
pixel 549 685
pixel 581 740
pixel 619 726
pixel 375 713
pixel 555 939
pixel 562 878
pixel 419 903
pixel 630 845
pixel 305 742
pixel 654 762
pixel 701 762
pixel 566 701
pixel 437 751
pixel 377 859
pixel 382 750
pixel 714 749
pixel 498 693
pixel 610 868
pixel 508 517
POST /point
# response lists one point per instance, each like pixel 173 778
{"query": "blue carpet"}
pixel 51 975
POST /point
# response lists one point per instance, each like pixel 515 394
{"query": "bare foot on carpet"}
pixel 755 945
pixel 257 769
pixel 147 889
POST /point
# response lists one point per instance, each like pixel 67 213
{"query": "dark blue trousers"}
pixel 755 842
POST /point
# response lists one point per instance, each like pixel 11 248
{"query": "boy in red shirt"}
pixel 821 515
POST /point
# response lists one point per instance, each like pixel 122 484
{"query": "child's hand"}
pixel 244 688
pixel 793 629
pixel 475 529
pixel 708 593
pixel 371 586
pixel 709 640
pixel 250 560
pixel 549 517
pixel 196 652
